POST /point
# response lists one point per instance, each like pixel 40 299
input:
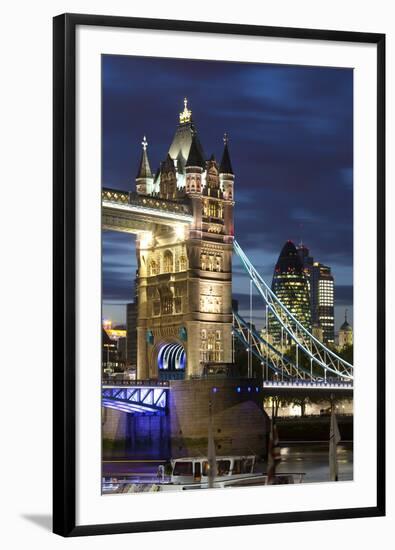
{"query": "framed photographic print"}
pixel 218 274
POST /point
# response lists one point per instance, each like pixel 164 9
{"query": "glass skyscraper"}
pixel 290 285
pixel 321 286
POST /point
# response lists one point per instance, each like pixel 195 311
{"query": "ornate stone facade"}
pixel 185 273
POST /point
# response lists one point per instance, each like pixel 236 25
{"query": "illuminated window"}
pixel 213 210
pixel 210 304
pixel 167 305
pixel 168 262
pixel 153 268
pixel 183 263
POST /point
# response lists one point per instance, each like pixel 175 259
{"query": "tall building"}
pixel 345 334
pixel 290 285
pixel 121 349
pixel 114 347
pixel 321 288
pixel 131 334
pixel 184 285
pixel 305 258
pixel 110 362
pixel 322 299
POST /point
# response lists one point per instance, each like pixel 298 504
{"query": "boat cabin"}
pixel 196 469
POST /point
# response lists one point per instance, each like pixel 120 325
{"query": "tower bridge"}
pixel 182 215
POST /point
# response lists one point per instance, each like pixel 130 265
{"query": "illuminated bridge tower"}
pixel 185 272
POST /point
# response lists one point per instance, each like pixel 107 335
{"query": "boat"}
pixel 191 473
pixel 195 471
pixel 231 471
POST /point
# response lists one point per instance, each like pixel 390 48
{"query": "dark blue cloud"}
pixel 291 143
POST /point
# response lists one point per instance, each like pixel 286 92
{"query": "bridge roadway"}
pixel 150 397
pixel 132 213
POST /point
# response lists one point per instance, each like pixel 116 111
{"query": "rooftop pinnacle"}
pixel 186 115
pixel 226 165
pixel 144 169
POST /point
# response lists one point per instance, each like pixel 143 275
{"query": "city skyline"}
pixel 291 149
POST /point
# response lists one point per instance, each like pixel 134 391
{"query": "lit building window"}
pixel 168 262
pixel 167 305
pixel 210 303
pixel 153 268
pixel 213 210
pixel 183 263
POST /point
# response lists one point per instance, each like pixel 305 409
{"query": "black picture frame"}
pixel 64 271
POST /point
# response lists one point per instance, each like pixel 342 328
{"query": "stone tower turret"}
pixel 194 169
pixel 226 172
pixel 168 179
pixel 144 178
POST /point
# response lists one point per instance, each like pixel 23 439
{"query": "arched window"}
pixel 154 299
pixel 213 209
pixel 168 262
pixel 203 262
pixel 166 300
pixel 183 263
pixel 153 268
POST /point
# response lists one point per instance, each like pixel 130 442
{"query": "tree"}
pixel 347 353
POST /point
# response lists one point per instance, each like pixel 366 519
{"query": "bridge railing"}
pixel 145 201
pixel 328 384
pixel 143 383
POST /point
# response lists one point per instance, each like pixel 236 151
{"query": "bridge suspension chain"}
pixel 319 355
pixel 267 354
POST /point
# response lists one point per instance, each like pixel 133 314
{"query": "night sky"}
pixel 291 144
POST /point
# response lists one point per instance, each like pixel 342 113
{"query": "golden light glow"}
pixel 145 239
pixel 115 334
pixel 186 115
pixel 179 231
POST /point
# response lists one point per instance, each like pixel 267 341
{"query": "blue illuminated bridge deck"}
pixel 136 397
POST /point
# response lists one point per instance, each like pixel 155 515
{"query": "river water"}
pixel 313 459
pixel 308 458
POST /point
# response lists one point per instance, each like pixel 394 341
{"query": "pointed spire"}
pixel 195 157
pixel 226 165
pixel 144 169
pixel 345 315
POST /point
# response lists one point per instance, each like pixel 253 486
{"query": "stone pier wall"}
pixel 240 425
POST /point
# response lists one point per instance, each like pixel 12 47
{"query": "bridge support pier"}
pixel 143 371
